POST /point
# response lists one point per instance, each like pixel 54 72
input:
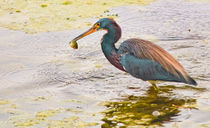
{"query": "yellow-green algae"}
pixel 73 121
pixel 152 109
pixel 4 102
pixel 47 118
pixel 26 119
pixel 52 15
pixel 45 114
pixel 43 117
pixel 41 98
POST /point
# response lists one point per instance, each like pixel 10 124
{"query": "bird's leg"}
pixel 153 85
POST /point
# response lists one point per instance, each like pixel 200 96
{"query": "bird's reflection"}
pixel 152 109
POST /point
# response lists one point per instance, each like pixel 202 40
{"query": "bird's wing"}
pixel 146 69
pixel 151 57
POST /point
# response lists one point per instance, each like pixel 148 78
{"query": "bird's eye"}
pixel 97 24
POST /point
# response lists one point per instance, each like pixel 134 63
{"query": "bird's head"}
pixel 102 24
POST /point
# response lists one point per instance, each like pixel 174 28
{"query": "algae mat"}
pixel 52 15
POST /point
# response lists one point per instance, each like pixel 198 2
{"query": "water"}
pixel 45 83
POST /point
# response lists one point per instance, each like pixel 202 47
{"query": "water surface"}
pixel 45 83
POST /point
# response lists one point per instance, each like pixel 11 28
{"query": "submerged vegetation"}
pixel 151 109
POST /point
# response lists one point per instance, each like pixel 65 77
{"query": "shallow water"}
pixel 56 15
pixel 45 83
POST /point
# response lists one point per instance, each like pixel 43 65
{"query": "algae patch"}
pixel 64 117
pixel 4 102
pixel 54 15
pixel 151 109
pixel 46 117
pixel 70 122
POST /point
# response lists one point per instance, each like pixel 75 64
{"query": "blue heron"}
pixel 140 58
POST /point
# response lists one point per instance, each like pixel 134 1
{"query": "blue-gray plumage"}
pixel 145 60
pixel 140 58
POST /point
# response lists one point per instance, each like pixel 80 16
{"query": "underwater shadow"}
pixel 152 109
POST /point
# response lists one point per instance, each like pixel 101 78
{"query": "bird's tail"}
pixel 191 81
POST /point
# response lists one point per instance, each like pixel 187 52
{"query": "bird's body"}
pixel 140 58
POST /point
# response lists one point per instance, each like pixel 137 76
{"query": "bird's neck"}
pixel 108 46
pixel 110 38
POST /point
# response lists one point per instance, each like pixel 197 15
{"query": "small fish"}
pixel 73 44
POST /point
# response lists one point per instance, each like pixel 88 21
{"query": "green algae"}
pixel 26 119
pixel 69 122
pixel 41 98
pixel 45 114
pixel 18 11
pixel 55 15
pixel 51 118
pixel 4 102
pixel 151 109
pixel 43 117
pixel 67 3
pixel 43 5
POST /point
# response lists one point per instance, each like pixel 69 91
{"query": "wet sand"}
pixel 45 83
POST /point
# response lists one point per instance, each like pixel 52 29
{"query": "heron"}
pixel 140 58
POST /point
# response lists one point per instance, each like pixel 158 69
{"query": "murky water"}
pixel 45 83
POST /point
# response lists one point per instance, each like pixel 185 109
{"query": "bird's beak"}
pixel 88 32
pixel 73 43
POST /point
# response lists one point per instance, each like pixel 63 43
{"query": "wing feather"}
pixel 147 50
pixel 146 69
